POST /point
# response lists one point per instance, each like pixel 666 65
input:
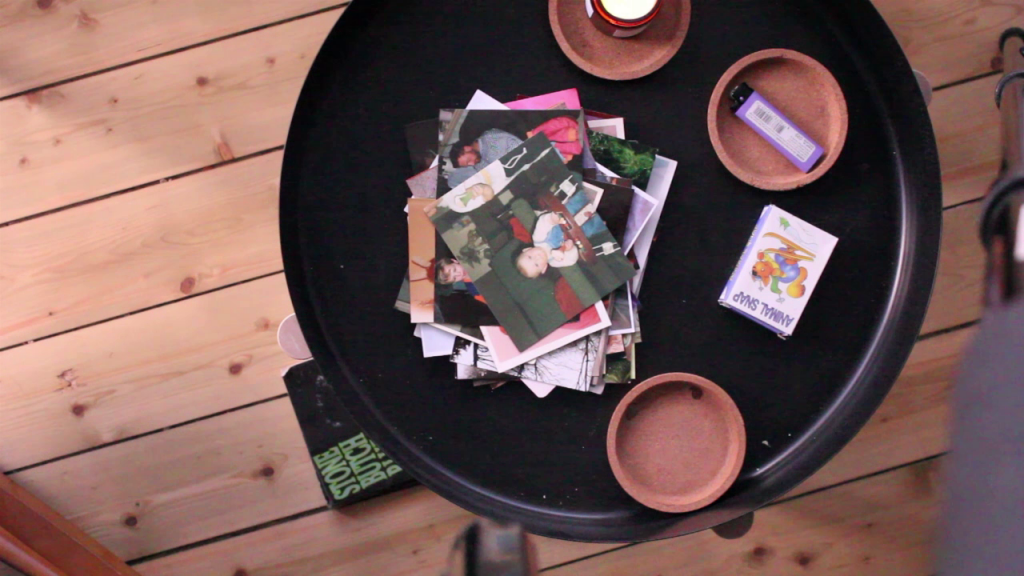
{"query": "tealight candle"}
pixel 622 18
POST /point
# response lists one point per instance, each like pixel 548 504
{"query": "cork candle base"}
pixel 802 89
pixel 619 58
pixel 676 442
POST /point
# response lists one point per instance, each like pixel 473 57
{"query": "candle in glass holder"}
pixel 622 18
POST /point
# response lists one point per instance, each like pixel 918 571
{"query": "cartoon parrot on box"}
pixel 782 266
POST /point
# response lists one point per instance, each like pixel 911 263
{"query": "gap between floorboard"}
pixel 175 51
pixel 278 147
pixel 167 303
pixel 144 309
pixel 144 434
pixel 778 502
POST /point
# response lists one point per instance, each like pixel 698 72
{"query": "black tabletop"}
pixel 507 454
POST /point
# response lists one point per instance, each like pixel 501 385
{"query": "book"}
pixel 778 271
pixel 350 466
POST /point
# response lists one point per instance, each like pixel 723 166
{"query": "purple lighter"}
pixel 775 127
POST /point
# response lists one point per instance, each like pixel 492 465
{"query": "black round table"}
pixel 542 462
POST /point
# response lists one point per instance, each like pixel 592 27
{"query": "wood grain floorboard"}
pixel 160 118
pixel 209 468
pixel 884 525
pixel 185 484
pixel 43 42
pixel 966 124
pixel 97 385
pixel 104 259
pixel 950 40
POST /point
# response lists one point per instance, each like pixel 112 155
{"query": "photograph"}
pixel 615 345
pixel 644 206
pixel 422 238
pixel 618 370
pixel 506 355
pixel 484 101
pixel 589 197
pixel 402 300
pixel 467 353
pixel 658 189
pixel 597 368
pixel 456 298
pixel 424 184
pixel 526 234
pixel 623 312
pixel 471 333
pixel 625 158
pixel 539 389
pixel 620 367
pixel 435 342
pixel 561 100
pixel 473 139
pixel 569 366
pixel 596 115
pixel 471 372
pixel 422 141
pixel 606 175
pixel 570 98
pixel 614 127
pixel 641 212
pixel 614 207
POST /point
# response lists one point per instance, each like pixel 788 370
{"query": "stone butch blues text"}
pixel 353 466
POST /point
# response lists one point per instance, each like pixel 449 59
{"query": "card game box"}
pixel 351 467
pixel 776 275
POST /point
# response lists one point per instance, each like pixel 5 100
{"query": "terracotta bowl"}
pixel 618 58
pixel 676 442
pixel 802 89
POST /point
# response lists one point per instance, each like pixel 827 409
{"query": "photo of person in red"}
pixel 474 139
pixel 564 134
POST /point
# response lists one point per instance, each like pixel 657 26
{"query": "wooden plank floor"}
pixel 140 286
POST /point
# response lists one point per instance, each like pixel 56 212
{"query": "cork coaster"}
pixel 619 58
pixel 802 89
pixel 676 442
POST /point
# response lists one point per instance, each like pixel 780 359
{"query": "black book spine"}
pixel 350 466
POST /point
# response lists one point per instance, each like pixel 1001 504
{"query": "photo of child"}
pixel 551 247
pixel 526 236
pixel 449 271
pixel 456 298
pixel 473 197
pixel 474 139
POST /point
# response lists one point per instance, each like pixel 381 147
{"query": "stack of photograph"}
pixel 530 223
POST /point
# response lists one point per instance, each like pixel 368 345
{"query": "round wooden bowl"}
pixel 676 442
pixel 619 58
pixel 802 89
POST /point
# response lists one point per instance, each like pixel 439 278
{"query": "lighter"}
pixel 775 127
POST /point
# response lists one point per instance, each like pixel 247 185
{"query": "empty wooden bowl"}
pixel 676 442
pixel 802 89
pixel 619 58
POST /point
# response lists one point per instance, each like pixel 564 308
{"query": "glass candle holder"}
pixel 622 18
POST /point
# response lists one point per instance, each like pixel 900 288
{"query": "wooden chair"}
pixel 37 541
